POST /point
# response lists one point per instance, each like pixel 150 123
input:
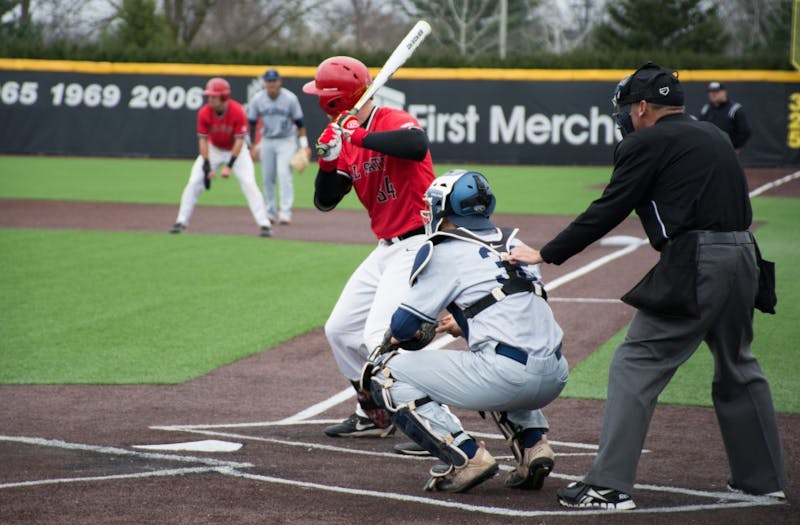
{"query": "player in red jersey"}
pixel 381 153
pixel 221 131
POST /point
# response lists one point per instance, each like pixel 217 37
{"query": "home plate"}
pixel 208 445
pixel 621 240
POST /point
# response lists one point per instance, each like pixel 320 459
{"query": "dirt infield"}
pixel 67 452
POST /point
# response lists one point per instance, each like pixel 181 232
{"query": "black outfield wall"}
pixel 556 117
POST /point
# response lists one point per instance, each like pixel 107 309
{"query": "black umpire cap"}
pixel 716 86
pixel 654 84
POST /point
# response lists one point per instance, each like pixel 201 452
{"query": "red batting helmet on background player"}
pixel 219 87
pixel 339 83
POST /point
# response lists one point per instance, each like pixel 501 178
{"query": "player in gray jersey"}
pixel 282 133
pixel 514 365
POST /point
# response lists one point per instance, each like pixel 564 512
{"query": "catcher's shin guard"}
pixel 405 418
pixel 511 432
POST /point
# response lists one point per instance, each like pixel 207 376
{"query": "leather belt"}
pixel 709 237
pixel 406 235
pixel 518 355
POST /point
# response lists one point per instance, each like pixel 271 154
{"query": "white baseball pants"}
pixel 244 171
pixel 276 153
pixel 365 307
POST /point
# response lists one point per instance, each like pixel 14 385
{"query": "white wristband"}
pixel 303 141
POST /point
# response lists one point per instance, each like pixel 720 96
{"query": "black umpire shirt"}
pixel 679 175
pixel 730 118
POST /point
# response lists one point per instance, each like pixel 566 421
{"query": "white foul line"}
pixel 774 184
pixel 597 263
pixel 501 511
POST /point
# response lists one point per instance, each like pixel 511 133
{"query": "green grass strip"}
pixel 519 189
pixel 96 307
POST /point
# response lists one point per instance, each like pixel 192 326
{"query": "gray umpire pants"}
pixel 655 347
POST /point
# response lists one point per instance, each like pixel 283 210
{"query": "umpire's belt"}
pixel 406 235
pixel 518 355
pixel 709 237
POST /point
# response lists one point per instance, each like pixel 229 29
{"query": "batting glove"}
pixel 351 128
pixel 329 144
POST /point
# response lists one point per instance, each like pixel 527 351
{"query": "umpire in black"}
pixel 726 114
pixel 683 179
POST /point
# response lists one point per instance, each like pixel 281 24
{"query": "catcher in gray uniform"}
pixel 514 365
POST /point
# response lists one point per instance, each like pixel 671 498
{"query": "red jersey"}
pixel 391 189
pixel 222 130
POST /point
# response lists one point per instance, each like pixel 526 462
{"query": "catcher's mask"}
pixel 651 83
pixel 339 82
pixel 463 197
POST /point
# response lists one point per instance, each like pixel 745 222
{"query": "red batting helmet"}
pixel 339 83
pixel 219 87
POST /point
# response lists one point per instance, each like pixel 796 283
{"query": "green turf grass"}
pixel 775 339
pixel 98 307
pixel 528 189
pixel 114 309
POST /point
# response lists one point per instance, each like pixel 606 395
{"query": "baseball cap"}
pixel 652 83
pixel 271 74
pixel 716 86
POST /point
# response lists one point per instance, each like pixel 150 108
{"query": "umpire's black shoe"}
pixel 410 449
pixel 265 231
pixel 581 495
pixel 358 426
pixel 178 227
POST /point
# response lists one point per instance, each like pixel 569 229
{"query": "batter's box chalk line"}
pixel 228 468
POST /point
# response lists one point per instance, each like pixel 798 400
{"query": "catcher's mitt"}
pixel 300 159
pixel 421 339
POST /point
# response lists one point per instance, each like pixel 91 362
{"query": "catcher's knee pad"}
pixel 511 432
pixel 379 415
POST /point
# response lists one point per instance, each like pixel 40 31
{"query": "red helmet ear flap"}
pixel 339 83
pixel 219 87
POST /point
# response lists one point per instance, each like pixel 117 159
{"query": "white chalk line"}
pixel 774 184
pixel 156 473
pixel 114 451
pixel 597 263
pixel 308 445
pixel 498 511
pixel 737 500
pixel 281 423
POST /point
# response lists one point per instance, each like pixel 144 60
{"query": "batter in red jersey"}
pixel 221 131
pixel 382 154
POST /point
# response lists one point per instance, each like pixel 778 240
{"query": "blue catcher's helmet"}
pixel 463 197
